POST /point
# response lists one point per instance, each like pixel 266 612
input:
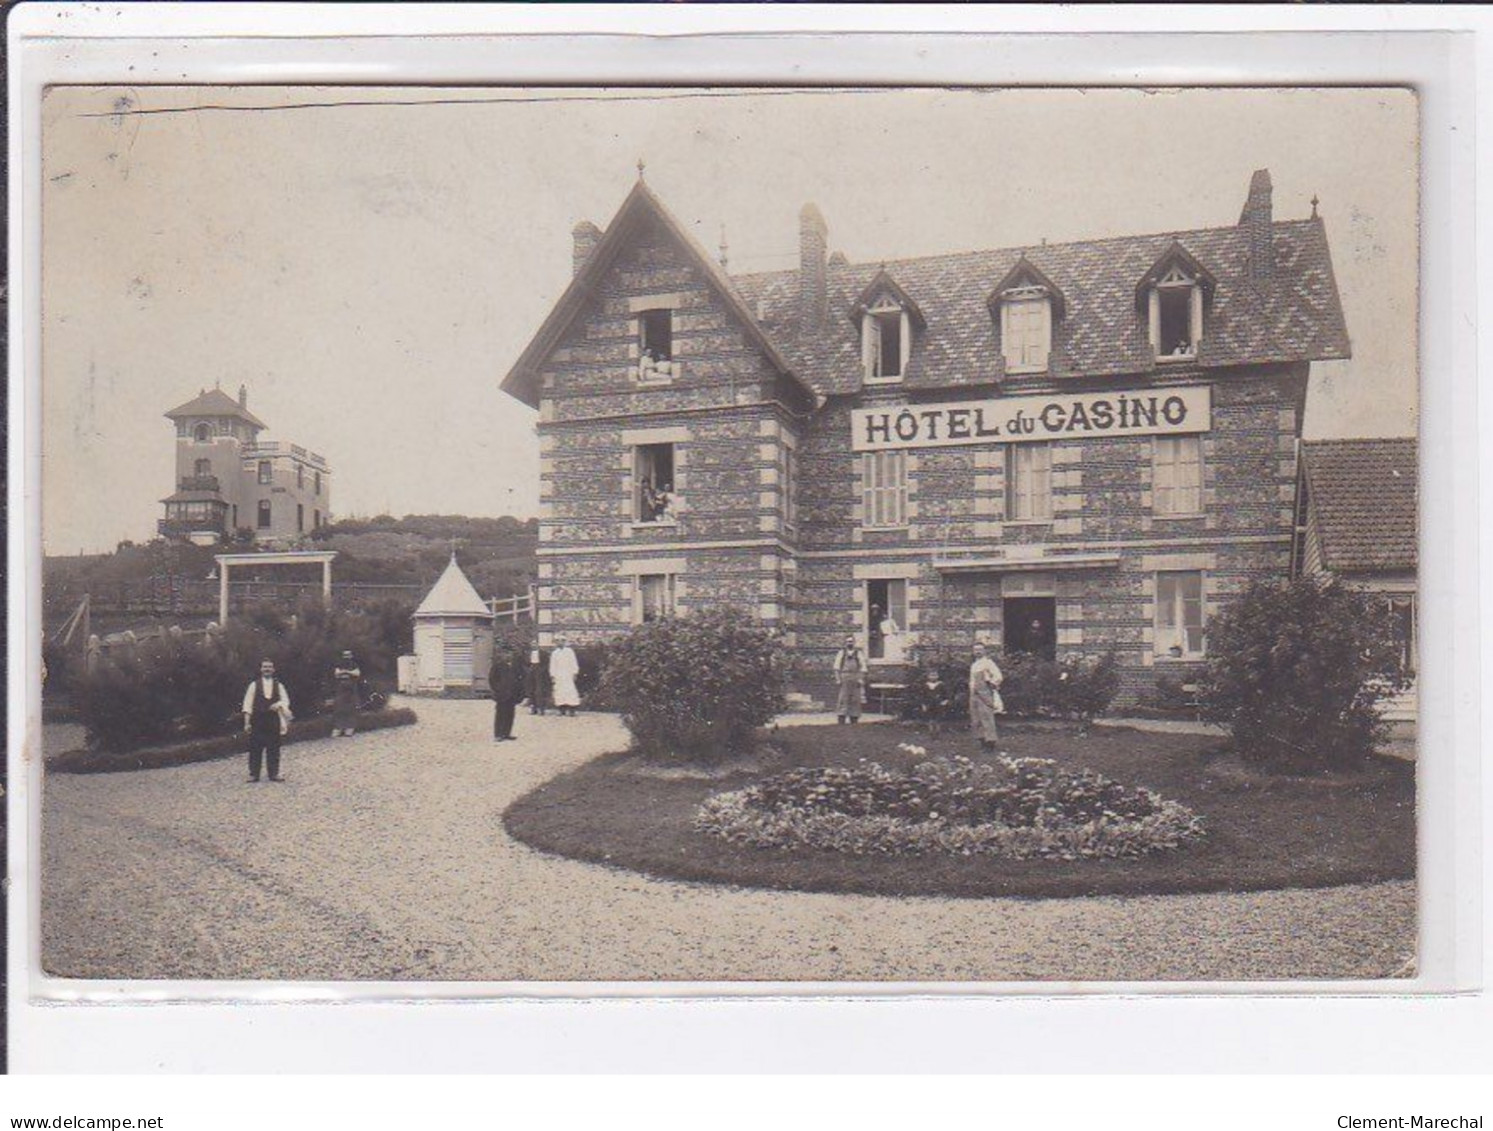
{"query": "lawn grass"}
pixel 1261 833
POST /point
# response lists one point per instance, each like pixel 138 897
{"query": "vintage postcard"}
pixel 736 535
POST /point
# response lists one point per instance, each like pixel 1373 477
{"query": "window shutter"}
pixel 906 343
pixel 1042 331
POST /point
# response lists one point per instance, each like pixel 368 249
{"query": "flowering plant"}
pixel 1015 807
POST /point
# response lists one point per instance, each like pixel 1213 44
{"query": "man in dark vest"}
pixel 266 718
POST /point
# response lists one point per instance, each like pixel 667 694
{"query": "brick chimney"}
pixel 1256 220
pixel 243 396
pixel 586 236
pixel 813 249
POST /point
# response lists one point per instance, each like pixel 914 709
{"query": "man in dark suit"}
pixel 506 680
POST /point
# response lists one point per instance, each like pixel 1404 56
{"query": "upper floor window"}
pixel 316 481
pixel 788 474
pixel 884 489
pixel 203 432
pixel 886 341
pixel 1026 329
pixel 300 476
pixel 202 468
pixel 266 472
pixel 1176 314
pixel 654 497
pixel 1177 475
pixel 656 345
pixel 1029 481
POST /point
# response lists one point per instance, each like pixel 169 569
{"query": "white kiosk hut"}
pixel 453 637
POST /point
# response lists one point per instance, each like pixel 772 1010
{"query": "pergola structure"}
pixel 284 557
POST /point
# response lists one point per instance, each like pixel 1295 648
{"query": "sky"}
pixel 371 271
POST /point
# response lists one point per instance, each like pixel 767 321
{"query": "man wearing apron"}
pixel 266 718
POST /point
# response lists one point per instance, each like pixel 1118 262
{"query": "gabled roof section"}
pixel 884 284
pixel 1175 256
pixel 1028 274
pixel 452 596
pixel 641 205
pixel 214 402
pixel 1362 498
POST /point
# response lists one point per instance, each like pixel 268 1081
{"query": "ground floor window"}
pixel 886 620
pixel 264 514
pixel 1029 615
pixel 300 517
pixel 1179 613
pixel 654 499
pixel 1402 621
pixel 654 597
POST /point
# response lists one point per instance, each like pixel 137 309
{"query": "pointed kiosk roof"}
pixel 214 402
pixel 522 381
pixel 453 596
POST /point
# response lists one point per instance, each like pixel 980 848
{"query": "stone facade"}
pixel 768 508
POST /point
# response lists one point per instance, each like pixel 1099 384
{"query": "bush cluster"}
pixel 1073 687
pixel 169 688
pixel 1296 672
pixel 694 687
pixel 1014 807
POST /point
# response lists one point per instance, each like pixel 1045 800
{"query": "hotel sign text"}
pixel 1012 420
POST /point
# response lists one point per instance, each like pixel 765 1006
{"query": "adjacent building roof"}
pixel 214 402
pixel 452 596
pixel 1362 496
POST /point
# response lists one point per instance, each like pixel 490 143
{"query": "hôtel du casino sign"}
pixel 1013 420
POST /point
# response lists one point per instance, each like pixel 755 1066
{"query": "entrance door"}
pixel 1029 624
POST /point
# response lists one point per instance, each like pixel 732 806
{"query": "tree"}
pixel 1296 671
pixel 695 687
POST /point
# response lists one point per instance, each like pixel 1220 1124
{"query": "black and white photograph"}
pixel 710 534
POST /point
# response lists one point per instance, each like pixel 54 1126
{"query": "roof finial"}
pixel 723 245
pixel 641 167
pixel 1315 202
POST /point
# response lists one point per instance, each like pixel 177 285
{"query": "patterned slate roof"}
pixel 1363 502
pixel 214 402
pixel 1296 316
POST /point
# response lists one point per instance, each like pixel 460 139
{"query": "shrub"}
pixel 1015 808
pixel 694 687
pixel 1296 671
pixel 172 688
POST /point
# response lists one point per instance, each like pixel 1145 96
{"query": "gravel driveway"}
pixel 383 857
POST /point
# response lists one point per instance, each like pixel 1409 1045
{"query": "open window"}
pixel 886 620
pixel 1173 296
pixel 1179 614
pixel 656 345
pixel 654 597
pixel 887 319
pixel 654 496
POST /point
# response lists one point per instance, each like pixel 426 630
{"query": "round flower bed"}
pixel 1016 808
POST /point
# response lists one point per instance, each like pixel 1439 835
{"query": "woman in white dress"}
pixel 893 647
pixel 564 667
pixel 985 703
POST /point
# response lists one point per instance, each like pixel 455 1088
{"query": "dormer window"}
pixel 885 342
pixel 1026 329
pixel 1176 315
pixel 1173 297
pixel 887 318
